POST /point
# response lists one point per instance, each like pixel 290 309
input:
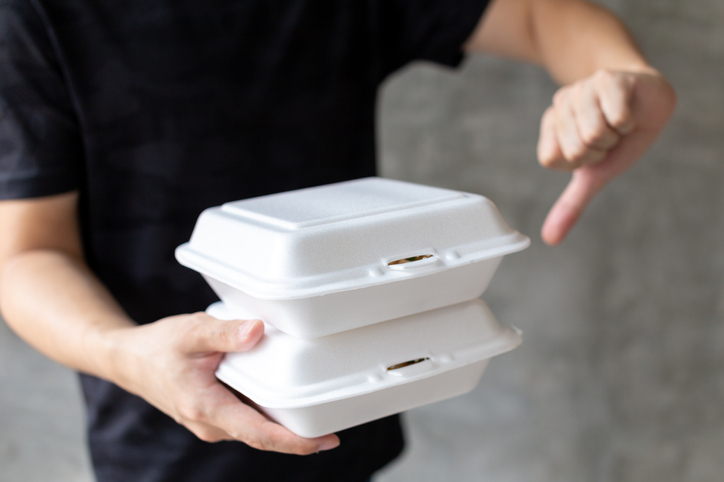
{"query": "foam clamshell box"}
pixel 323 385
pixel 328 259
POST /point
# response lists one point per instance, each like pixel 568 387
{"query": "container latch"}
pixel 412 262
pixel 410 367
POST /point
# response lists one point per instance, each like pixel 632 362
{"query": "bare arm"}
pixel 41 260
pixel 52 300
pixel 610 110
pixel 572 39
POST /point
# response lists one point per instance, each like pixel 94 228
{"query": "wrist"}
pixel 638 67
pixel 107 351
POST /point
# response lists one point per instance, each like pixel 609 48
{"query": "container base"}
pixel 317 420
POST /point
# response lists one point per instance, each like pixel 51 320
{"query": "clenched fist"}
pixel 597 128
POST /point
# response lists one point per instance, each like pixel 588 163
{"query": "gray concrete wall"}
pixel 621 373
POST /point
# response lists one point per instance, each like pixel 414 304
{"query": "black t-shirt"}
pixel 154 110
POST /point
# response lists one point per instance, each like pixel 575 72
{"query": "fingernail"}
pixel 246 328
pixel 329 445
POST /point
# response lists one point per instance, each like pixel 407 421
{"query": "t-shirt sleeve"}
pixel 40 145
pixel 433 30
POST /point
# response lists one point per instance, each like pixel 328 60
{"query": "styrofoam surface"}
pixel 315 261
pixel 323 385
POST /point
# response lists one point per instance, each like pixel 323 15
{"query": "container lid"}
pixel 344 236
pixel 283 371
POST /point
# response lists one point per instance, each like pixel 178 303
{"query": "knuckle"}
pixel 546 156
pixel 579 156
pixel 604 76
pixel 192 411
pixel 547 161
pixel 208 435
pixel 555 164
pixel 578 90
pixel 576 153
pixel 198 318
pixel 190 325
pixel 620 120
pixel 547 121
pixel 211 435
pixel 235 435
pixel 593 135
pixel 257 442
pixel 560 97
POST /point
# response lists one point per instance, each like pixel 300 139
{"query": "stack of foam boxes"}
pixel 369 291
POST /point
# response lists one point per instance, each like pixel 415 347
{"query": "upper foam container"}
pixel 322 260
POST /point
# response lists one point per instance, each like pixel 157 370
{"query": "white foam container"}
pixel 316 261
pixel 324 385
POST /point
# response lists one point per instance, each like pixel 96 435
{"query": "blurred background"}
pixel 621 373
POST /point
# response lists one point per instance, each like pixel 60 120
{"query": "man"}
pixel 121 121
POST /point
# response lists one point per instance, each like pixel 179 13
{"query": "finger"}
pixel 575 151
pixel 549 153
pixel 208 433
pixel 569 206
pixel 615 92
pixel 208 334
pixel 251 427
pixel 592 127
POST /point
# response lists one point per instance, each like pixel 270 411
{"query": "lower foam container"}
pixel 324 385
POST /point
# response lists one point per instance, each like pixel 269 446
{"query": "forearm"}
pixel 574 39
pixel 52 301
pixel 571 39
